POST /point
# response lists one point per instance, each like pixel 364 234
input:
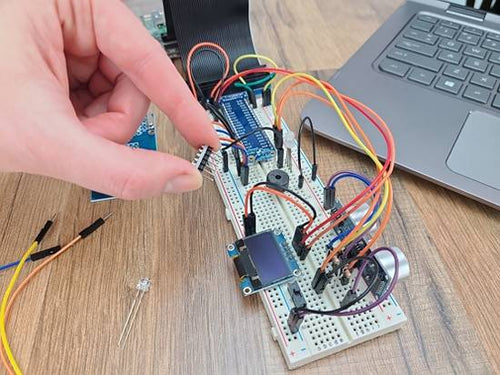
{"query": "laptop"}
pixel 432 71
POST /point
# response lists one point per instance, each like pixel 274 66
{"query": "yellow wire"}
pixel 5 299
pixel 252 56
pixel 373 157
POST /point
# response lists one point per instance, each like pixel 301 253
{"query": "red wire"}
pixel 188 66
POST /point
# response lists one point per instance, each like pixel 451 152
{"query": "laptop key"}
pixel 452 45
pixel 475 64
pixel 450 57
pixel 453 25
pixel 449 85
pixel 495 71
pixel 415 59
pixel 445 32
pixel 494 58
pixel 420 36
pixel 421 76
pixel 421 25
pixel 492 45
pixel 426 18
pixel 477 94
pixel 394 67
pixel 483 80
pixel 423 49
pixel 473 30
pixel 496 102
pixel 456 72
pixel 475 52
pixel 493 36
pixel 468 38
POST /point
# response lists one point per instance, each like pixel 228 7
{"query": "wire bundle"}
pixel 6 354
pixel 377 194
pixel 379 190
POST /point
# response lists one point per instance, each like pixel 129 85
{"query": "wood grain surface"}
pixel 194 320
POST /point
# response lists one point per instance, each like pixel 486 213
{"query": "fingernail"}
pixel 184 183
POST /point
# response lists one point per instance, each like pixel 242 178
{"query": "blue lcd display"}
pixel 268 258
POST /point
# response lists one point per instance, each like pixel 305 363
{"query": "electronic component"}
pixel 314 172
pixel 326 294
pixel 278 178
pixel 320 281
pixel 281 157
pixel 155 23
pixel 203 158
pixel 289 143
pixel 250 224
pixel 266 97
pixel 386 272
pixel 328 198
pixel 345 278
pixel 243 121
pixel 295 320
pixel 301 181
pixel 262 260
pixel 296 294
pixel 349 298
pixel 244 173
pixel 143 286
pixel 144 138
pixel 386 262
pixel 301 249
pixel 278 138
pixel 225 161
pixel 44 253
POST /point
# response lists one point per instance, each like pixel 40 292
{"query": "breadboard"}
pixel 319 336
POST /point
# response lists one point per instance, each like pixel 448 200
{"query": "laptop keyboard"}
pixel 448 57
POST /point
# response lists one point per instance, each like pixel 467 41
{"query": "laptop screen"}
pixel 492 6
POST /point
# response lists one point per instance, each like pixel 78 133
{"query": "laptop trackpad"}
pixel 476 153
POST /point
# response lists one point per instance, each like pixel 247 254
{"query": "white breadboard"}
pixel 319 336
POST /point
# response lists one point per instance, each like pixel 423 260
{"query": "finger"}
pixel 117 115
pixel 122 38
pixel 99 84
pixel 101 165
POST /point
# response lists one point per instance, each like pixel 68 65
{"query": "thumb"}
pixel 101 165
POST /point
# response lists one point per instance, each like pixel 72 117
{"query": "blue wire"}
pixel 11 265
pixel 340 236
pixel 358 177
pixel 225 132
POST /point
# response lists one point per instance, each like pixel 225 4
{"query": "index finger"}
pixel 122 38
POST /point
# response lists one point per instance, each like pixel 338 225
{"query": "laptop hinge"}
pixel 459 10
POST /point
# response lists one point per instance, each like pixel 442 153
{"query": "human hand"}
pixel 75 78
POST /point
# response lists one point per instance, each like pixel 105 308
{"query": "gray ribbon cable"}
pixel 225 22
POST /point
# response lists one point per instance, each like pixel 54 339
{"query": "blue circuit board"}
pixel 243 120
pixel 144 138
pixel 263 260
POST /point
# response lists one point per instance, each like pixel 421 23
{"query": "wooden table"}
pixel 194 321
